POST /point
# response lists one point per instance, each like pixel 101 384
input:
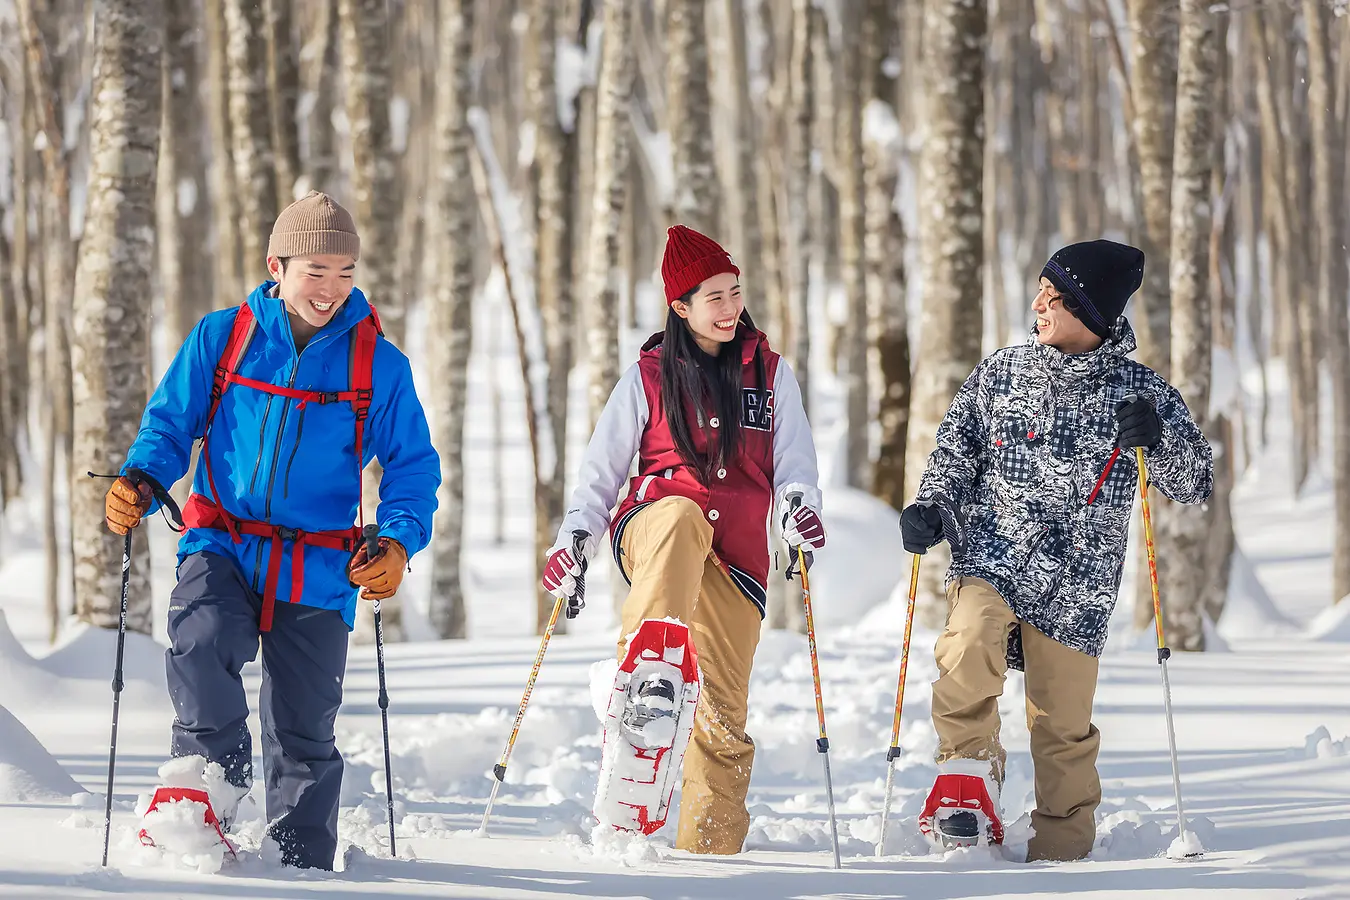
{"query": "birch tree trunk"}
pixel 951 203
pixel 110 328
pixel 885 252
pixel 183 221
pixel 320 162
pixel 555 153
pixel 1329 162
pixel 1221 541
pixel 1277 204
pixel 251 133
pixel 689 117
pixel 798 244
pixel 230 286
pixel 57 270
pixel 450 318
pixel 1153 84
pixel 367 79
pixel 739 188
pixel 852 232
pixel 1181 580
pixel 283 92
pixel 607 203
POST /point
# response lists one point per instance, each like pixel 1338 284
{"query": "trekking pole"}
pixel 117 691
pixel 894 752
pixel 1164 653
pixel 371 535
pixel 499 770
pixel 822 742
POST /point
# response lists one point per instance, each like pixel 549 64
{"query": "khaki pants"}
pixel 667 553
pixel 1060 684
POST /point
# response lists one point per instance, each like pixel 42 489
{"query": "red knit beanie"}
pixel 691 259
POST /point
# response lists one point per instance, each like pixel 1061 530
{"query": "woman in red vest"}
pixel 691 536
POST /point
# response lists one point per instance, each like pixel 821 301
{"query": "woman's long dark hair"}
pixel 710 382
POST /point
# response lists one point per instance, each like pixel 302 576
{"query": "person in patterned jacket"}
pixel 1034 475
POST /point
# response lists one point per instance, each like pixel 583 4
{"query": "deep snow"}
pixel 1263 732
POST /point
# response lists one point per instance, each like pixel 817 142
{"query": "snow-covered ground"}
pixel 1263 731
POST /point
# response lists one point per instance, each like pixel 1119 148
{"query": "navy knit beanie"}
pixel 1097 278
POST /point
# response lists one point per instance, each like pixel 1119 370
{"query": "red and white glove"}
pixel 802 528
pixel 564 574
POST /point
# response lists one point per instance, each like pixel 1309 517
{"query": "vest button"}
pixel 715 422
pixel 713 515
pixel 721 473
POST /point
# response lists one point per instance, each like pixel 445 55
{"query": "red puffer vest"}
pixel 737 501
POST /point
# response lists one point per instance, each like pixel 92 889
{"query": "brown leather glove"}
pixel 126 503
pixel 379 578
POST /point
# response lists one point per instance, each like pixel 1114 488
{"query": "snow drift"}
pixel 28 773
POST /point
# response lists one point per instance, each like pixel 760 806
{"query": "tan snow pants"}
pixel 1060 684
pixel 667 552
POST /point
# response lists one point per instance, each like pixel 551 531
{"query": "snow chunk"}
pixel 28 773
pixel 1185 845
pixel 623 847
pixel 1319 745
pixel 1332 625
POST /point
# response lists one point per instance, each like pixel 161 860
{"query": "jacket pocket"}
pixel 1016 460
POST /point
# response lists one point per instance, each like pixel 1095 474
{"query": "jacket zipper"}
pixel 276 455
pixel 262 436
pixel 299 430
pixel 281 434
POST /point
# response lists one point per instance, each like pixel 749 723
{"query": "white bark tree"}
pixel 885 252
pixel 1187 527
pixel 251 135
pixel 184 207
pixel 603 277
pixel 852 233
pixel 1325 96
pixel 112 306
pixel 689 116
pixel 1153 87
pixel 230 287
pixel 951 204
pixel 449 321
pixel 368 82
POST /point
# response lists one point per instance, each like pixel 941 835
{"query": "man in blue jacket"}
pixel 291 395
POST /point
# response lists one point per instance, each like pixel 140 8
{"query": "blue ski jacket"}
pixel 275 460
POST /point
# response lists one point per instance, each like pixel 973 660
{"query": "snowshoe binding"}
pixel 962 807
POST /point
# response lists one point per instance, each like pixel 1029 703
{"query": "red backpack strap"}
pixel 364 339
pixel 241 335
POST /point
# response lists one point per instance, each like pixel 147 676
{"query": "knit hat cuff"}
pixel 314 243
pixel 697 272
pixel 1065 284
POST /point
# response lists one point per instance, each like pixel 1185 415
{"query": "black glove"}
pixel 920 527
pixel 1139 424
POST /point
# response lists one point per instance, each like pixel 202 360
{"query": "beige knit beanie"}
pixel 314 224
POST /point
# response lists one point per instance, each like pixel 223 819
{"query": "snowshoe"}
pixel 962 807
pixel 190 813
pixel 649 719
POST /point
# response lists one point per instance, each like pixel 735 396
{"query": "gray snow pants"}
pixel 213 627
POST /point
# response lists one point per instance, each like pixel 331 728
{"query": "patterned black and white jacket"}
pixel 1020 452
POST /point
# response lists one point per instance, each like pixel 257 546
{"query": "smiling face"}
pixel 1056 326
pixel 713 311
pixel 314 287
